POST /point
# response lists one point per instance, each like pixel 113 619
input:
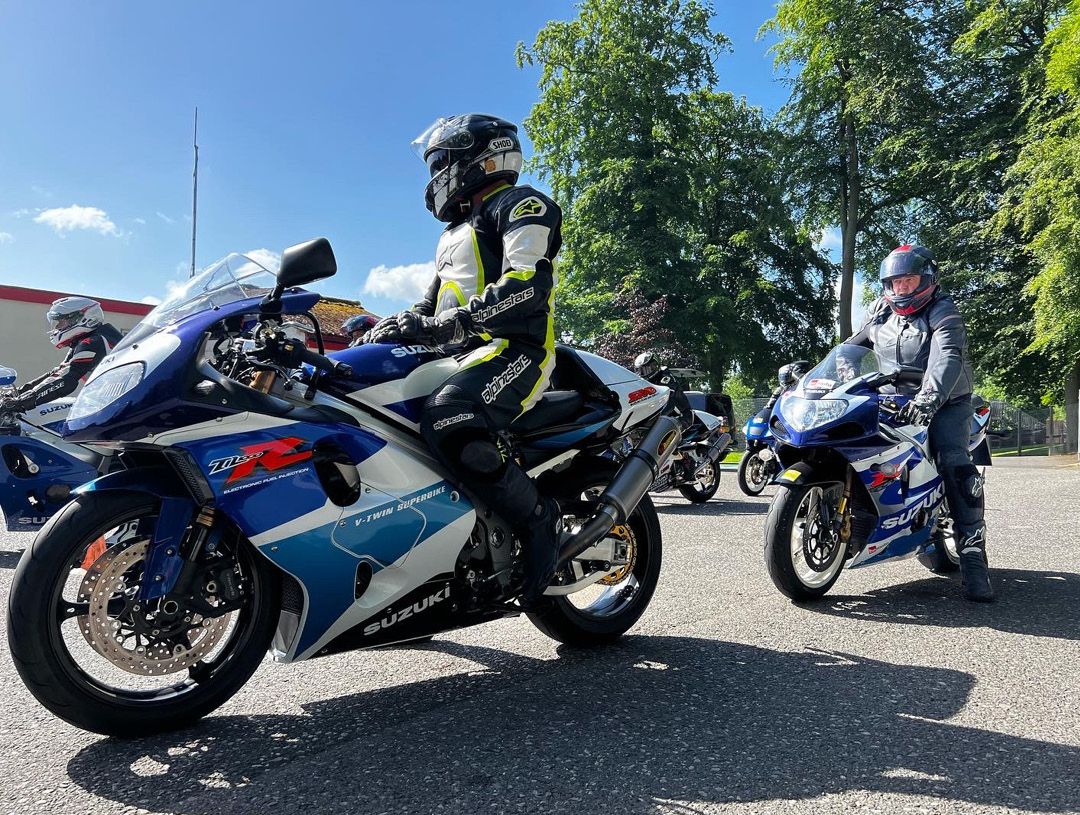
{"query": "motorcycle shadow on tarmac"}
pixel 1042 604
pixel 630 728
pixel 674 504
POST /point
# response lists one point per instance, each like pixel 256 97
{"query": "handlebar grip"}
pixel 324 364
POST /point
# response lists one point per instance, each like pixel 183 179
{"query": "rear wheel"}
pixel 753 473
pixel 704 485
pixel 98 656
pixel 604 611
pixel 941 557
pixel 804 552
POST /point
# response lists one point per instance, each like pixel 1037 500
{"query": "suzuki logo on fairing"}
pixel 411 350
pixel 904 518
pixel 408 611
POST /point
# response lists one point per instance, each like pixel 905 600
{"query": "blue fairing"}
pixel 381 362
pixel 22 493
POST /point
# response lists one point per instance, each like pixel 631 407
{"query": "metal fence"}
pixel 1018 432
pixel 1014 431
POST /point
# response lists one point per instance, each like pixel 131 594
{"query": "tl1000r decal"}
pixel 271 455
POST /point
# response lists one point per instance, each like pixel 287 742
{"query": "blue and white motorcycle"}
pixel 273 497
pixel 858 486
pixel 38 469
pixel 758 465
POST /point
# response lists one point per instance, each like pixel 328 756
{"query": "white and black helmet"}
pixel 647 365
pixel 72 317
pixel 464 154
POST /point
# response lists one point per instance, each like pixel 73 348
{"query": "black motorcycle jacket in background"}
pixel 82 358
pixel 933 340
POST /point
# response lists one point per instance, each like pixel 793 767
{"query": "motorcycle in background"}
pixel 859 486
pixel 758 465
pixel 38 469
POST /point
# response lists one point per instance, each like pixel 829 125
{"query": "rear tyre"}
pixel 603 612
pixel 943 557
pixel 88 652
pixel 803 555
pixel 704 486
pixel 753 473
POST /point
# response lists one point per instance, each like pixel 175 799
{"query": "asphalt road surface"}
pixel 894 695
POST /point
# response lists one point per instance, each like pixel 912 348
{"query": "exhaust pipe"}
pixel 629 485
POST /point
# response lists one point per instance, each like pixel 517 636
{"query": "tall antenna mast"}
pixel 194 191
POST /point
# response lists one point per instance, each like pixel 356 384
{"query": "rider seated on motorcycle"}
pixel 356 327
pixel 78 324
pixel 648 367
pixel 491 304
pixel 788 377
pixel 916 325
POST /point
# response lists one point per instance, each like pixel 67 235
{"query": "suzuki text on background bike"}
pixel 858 486
pixel 273 497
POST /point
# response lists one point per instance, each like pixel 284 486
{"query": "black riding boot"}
pixel 964 491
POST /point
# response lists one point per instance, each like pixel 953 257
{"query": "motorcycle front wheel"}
pixel 99 657
pixel 753 473
pixel 803 553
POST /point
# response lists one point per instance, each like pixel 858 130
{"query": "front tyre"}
pixel 100 658
pixel 601 613
pixel 753 474
pixel 803 549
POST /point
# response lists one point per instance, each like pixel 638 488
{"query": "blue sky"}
pixel 305 117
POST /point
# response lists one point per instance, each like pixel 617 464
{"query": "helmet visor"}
pixel 448 134
pixel 62 322
pixel 899 264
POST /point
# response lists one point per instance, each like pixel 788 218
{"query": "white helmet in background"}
pixel 72 317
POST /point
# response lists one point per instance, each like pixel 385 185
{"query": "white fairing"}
pixel 418 383
pixel 707 419
pixel 50 413
pixel 607 371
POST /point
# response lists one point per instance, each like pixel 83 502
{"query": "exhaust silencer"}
pixel 629 485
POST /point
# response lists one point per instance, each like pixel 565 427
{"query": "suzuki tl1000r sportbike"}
pixel 858 485
pixel 273 497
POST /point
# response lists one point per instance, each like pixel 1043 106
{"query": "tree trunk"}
pixel 1072 409
pixel 849 224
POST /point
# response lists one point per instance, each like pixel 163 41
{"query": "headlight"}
pixel 805 414
pixel 103 390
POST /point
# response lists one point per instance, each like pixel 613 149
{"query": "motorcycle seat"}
pixel 554 407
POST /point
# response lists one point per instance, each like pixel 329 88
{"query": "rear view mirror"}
pixel 305 263
pixel 7 376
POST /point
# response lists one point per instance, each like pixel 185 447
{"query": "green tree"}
pixel 668 188
pixel 863 97
pixel 1045 205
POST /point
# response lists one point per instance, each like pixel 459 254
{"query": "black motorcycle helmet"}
pixel 909 260
pixel 792 372
pixel 464 154
pixel 647 365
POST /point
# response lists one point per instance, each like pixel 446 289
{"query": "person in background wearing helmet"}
pixel 78 324
pixel 916 325
pixel 356 327
pixel 648 367
pixel 491 303
pixel 788 376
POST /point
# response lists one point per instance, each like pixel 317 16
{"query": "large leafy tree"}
pixel 1044 204
pixel 668 188
pixel 863 97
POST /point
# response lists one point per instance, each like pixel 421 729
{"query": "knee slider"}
pixel 970 483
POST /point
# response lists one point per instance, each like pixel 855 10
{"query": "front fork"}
pixel 840 525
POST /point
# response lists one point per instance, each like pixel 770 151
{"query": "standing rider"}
pixel 78 324
pixel 491 304
pixel 916 325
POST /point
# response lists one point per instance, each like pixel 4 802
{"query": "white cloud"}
pixel 265 257
pixel 6 237
pixel 166 218
pixel 408 282
pixel 151 300
pixel 140 221
pixel 67 219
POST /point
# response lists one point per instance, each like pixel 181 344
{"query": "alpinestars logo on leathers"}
pixel 499 383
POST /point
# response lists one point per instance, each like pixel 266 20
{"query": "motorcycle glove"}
pixel 410 327
pixel 920 410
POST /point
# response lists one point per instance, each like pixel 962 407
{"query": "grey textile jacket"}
pixel 933 340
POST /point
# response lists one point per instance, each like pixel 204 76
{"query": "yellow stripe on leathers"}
pixel 548 363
